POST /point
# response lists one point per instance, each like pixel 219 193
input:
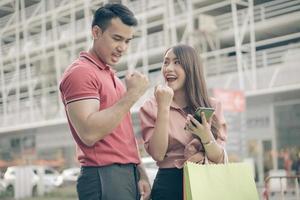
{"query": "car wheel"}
pixel 10 191
pixel 34 191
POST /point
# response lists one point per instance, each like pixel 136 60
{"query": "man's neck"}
pixel 94 54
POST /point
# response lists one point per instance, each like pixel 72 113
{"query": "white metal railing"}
pixel 154 40
pixel 80 26
pixel 280 7
pixel 9 77
pixel 264 58
pixel 134 44
pixel 137 6
pixel 24 114
pixel 49 101
pixel 30 10
pixel 1 115
pixel 35 41
pixel 57 3
pixel 6 48
pixel 48 106
pixel 276 67
pixel 261 12
pixel 64 31
pixel 153 4
pixel 4 20
pixel 49 36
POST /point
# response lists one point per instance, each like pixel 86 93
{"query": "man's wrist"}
pixel 142 172
pixel 131 97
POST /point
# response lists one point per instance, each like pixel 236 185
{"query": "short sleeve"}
pixel 79 83
pixel 147 115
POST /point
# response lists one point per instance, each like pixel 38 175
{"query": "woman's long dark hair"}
pixel 195 85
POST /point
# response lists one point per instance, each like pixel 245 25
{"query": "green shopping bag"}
pixel 232 181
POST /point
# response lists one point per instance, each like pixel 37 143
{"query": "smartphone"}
pixel 207 112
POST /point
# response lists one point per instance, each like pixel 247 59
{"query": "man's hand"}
pixel 136 83
pixel 145 189
pixel 143 184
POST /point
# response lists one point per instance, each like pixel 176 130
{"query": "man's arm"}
pixel 93 125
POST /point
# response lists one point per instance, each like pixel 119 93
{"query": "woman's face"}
pixel 173 72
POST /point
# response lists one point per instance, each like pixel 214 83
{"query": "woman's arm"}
pixel 158 142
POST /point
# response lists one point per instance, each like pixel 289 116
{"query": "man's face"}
pixel 112 43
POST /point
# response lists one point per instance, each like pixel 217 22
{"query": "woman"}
pixel 170 132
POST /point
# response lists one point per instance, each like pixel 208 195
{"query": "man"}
pixel 98 110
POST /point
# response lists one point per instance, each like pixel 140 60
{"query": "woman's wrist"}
pixel 208 138
pixel 208 143
pixel 163 107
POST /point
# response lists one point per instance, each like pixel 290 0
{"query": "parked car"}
pixel 2 186
pixel 70 175
pixel 150 167
pixel 277 185
pixel 50 178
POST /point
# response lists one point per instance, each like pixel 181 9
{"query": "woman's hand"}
pixel 202 130
pixel 163 95
pixel 214 152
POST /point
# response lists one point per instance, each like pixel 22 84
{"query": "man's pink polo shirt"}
pixel 89 78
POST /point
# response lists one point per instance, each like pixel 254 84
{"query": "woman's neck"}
pixel 179 99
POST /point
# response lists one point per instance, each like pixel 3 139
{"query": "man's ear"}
pixel 96 32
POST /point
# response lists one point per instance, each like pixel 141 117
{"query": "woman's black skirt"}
pixel 168 185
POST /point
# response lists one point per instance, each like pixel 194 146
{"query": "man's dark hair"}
pixel 103 15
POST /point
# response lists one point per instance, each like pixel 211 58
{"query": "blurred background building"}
pixel 250 50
